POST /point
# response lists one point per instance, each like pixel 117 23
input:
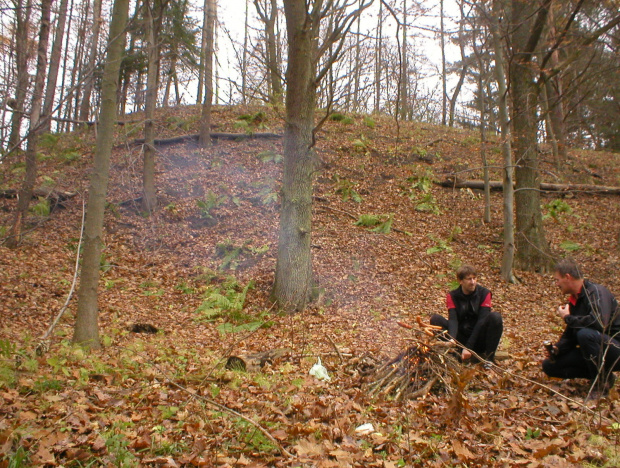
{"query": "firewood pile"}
pixel 428 364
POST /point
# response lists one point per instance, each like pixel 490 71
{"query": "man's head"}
pixel 467 278
pixel 568 276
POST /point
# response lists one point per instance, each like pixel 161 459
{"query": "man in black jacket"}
pixel 470 322
pixel 590 345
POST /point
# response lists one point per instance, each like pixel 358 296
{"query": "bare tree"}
pixel 205 118
pixel 378 58
pixel 303 19
pixel 268 13
pixel 89 79
pixel 86 331
pixel 153 18
pixel 22 23
pixel 50 92
pixel 25 193
pixel 508 190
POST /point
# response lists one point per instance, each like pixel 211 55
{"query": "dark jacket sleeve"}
pixel 600 312
pixel 600 306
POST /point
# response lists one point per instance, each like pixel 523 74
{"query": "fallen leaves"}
pixel 145 398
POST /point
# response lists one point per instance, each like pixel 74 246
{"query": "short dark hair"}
pixel 568 266
pixel 464 271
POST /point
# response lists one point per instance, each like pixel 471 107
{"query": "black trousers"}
pixel 488 339
pixel 597 354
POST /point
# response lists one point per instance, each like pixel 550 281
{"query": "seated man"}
pixel 470 320
pixel 590 346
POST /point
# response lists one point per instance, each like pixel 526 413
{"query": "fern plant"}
pixel 442 245
pixel 226 302
pixel 368 220
pixel 345 188
pixel 209 203
pixel 381 224
pixel 555 208
pixel 427 203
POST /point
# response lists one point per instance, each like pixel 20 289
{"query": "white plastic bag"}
pixel 365 429
pixel 319 371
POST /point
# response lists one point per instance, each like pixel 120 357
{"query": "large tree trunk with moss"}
pixel 86 330
pixel 25 194
pixel 294 263
pixel 528 20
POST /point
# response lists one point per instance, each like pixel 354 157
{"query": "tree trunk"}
pixel 25 194
pixel 64 95
pixel 50 92
pixel 86 330
pixel 378 59
pixel 403 81
pixel 444 90
pixel 508 193
pixel 269 16
pixel 73 105
pixel 294 262
pixel 555 104
pixel 92 61
pixel 533 251
pixel 357 70
pixel 149 195
pixel 244 58
pixel 22 23
pixel 483 135
pixel 204 139
pixel 464 67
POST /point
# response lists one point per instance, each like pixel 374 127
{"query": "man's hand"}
pixel 563 311
pixel 466 354
pixel 553 352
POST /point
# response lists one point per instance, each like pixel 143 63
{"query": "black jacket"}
pixel 594 307
pixel 466 313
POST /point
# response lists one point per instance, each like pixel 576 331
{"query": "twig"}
pixel 234 413
pixel 336 210
pixel 75 276
pixel 336 348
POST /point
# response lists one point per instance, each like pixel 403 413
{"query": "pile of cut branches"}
pixel 429 363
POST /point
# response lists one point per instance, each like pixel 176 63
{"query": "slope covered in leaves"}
pixel 386 243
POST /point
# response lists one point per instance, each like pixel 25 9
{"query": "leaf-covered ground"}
pixel 201 268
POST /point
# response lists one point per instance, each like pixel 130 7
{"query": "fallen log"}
pixel 58 198
pixel 545 187
pixel 214 136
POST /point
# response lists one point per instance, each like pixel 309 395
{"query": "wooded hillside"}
pixel 385 241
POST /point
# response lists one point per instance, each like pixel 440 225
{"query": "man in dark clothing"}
pixel 470 322
pixel 590 345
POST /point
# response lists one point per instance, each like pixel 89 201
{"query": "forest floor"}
pixel 200 271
